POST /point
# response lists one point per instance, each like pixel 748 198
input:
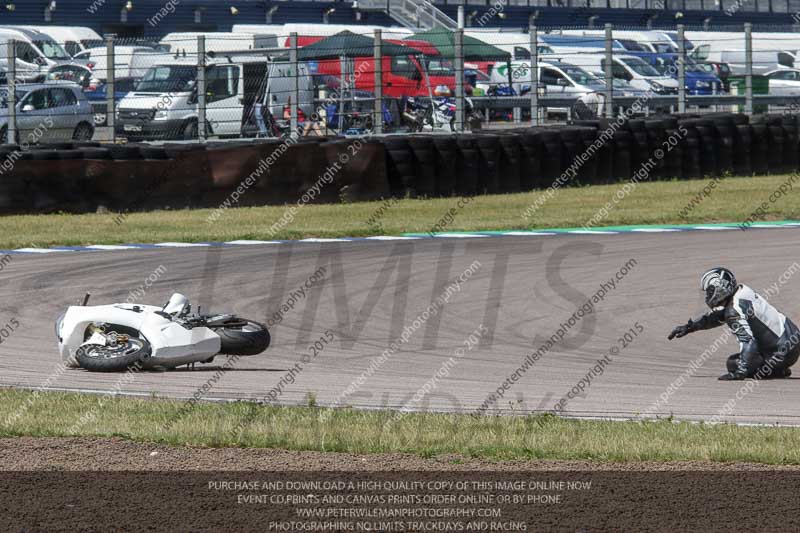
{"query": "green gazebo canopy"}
pixel 348 44
pixel 474 49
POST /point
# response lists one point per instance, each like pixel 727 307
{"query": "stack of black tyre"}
pixel 13 187
pixel 510 163
pixel 424 157
pixel 400 166
pixel 673 158
pixel 686 146
pixel 549 140
pixel 447 163
pixel 532 148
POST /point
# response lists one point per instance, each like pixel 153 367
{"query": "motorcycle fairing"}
pixel 171 343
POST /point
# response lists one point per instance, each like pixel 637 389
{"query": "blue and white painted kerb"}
pixel 616 230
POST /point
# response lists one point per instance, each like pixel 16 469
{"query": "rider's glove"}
pixel 681 331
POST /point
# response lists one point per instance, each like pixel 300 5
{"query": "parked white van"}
pixel 35 51
pixel 770 50
pixel 185 43
pixel 634 41
pixel 763 60
pixel 557 77
pixel 640 74
pixel 516 44
pixel 164 103
pixel 129 61
pixel 74 39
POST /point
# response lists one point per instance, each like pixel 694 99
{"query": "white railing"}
pixel 413 14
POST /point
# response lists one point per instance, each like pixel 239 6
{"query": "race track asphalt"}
pixel 520 291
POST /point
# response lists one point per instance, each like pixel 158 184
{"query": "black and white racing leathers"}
pixel 769 342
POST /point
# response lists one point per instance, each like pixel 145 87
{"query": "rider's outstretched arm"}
pixel 707 321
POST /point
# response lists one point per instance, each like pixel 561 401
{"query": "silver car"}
pixel 48 112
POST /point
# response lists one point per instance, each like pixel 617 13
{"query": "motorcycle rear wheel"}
pixel 241 336
pixel 99 358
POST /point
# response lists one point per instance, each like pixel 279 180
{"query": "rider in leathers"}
pixel 769 342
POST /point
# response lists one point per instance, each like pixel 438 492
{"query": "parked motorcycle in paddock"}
pixel 438 114
pixel 112 338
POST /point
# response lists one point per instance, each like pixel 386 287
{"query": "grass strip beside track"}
pixel 732 200
pixel 55 414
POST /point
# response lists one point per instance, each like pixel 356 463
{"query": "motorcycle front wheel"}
pixel 115 358
pixel 240 336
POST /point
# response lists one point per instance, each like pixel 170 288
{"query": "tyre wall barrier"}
pixel 469 166
pixel 791 156
pixel 510 163
pixel 488 145
pixel 447 163
pixel 531 162
pixel 400 166
pixel 356 171
pixel 551 153
pixel 79 177
pixel 424 156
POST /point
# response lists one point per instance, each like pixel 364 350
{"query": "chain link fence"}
pixel 229 85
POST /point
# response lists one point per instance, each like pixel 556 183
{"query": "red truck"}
pixel 401 75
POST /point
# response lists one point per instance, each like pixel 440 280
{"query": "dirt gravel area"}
pixel 56 484
pixel 115 454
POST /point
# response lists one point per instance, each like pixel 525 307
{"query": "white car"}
pixel 54 111
pixel 784 82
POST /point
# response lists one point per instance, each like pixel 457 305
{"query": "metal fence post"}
pixel 11 77
pixel 201 88
pixel 608 71
pixel 111 119
pixel 377 122
pixel 748 68
pixel 295 87
pixel 459 68
pixel 534 35
pixel 681 70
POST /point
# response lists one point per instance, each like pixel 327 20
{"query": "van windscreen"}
pixel 579 75
pixel 438 66
pixel 639 66
pixel 51 49
pixel 163 79
pixel 632 46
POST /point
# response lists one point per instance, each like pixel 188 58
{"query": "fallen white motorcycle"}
pixel 112 338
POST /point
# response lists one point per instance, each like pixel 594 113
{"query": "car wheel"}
pixel 83 132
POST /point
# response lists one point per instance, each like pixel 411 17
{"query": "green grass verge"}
pixel 24 413
pixel 733 200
